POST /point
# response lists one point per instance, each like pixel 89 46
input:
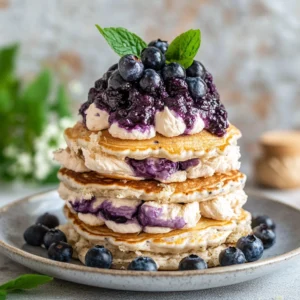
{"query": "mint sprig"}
pixel 122 41
pixel 184 48
pixel 24 282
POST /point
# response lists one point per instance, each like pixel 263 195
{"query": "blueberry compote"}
pixel 133 94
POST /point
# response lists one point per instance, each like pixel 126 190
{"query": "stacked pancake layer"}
pixel 162 197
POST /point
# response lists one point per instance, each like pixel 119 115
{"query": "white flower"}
pixel 10 151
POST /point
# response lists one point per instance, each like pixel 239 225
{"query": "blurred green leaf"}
pixel 7 61
pixel 5 101
pixel 34 103
pixel 62 103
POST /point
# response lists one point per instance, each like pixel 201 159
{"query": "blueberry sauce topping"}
pixel 134 90
pixel 159 168
pixel 140 213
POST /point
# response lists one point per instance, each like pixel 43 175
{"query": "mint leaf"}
pixel 25 282
pixel 122 41
pixel 2 295
pixel 184 48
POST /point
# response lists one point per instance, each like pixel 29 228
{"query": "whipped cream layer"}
pixel 160 169
pixel 130 216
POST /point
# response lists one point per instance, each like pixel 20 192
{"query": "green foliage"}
pixel 23 282
pixel 25 111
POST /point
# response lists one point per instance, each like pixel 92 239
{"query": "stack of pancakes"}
pixel 163 197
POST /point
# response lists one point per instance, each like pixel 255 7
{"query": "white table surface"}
pixel 283 285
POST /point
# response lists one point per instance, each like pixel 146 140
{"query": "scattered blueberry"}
pixel 195 70
pixel 256 221
pixel 192 262
pixel 113 67
pixel 48 220
pixel 142 263
pixel 60 251
pixel 231 256
pixel 161 45
pixel 266 235
pixel 150 81
pixel 197 87
pixel 98 257
pixel 116 82
pixel 251 246
pixel 153 58
pixel 54 236
pixel 130 67
pixel 173 70
pixel 34 235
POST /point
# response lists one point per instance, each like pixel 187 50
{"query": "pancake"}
pixel 121 259
pixel 199 189
pixel 206 234
pixel 179 148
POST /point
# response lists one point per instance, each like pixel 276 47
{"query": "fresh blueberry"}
pixel 196 70
pixel 192 262
pixel 161 45
pixel 150 81
pixel 54 236
pixel 173 70
pixel 263 220
pixel 266 235
pixel 60 251
pixel 48 220
pixel 116 82
pixel 153 58
pixel 142 263
pixel 98 257
pixel 107 75
pixel 231 256
pixel 34 235
pixel 130 67
pixel 251 246
pixel 113 67
pixel 197 87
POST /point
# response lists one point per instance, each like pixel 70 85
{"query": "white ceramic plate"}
pixel 16 217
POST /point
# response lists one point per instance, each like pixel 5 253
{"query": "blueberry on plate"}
pixel 256 221
pixel 98 257
pixel 251 246
pixel 54 236
pixel 116 82
pixel 150 81
pixel 130 67
pixel 60 251
pixel 143 263
pixel 192 262
pixel 34 235
pixel 197 87
pixel 266 235
pixel 48 220
pixel 173 70
pixel 196 70
pixel 161 45
pixel 153 58
pixel 231 256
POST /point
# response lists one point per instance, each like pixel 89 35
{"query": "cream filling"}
pixel 208 165
pixel 222 207
pixel 134 134
pixel 96 119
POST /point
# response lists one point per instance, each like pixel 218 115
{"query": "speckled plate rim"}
pixel 6 248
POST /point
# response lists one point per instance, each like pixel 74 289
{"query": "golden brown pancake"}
pixel 207 233
pixel 191 190
pixel 188 146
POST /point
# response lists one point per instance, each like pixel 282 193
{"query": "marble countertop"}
pixel 283 285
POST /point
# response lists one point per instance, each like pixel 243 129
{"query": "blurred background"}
pixel 250 46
